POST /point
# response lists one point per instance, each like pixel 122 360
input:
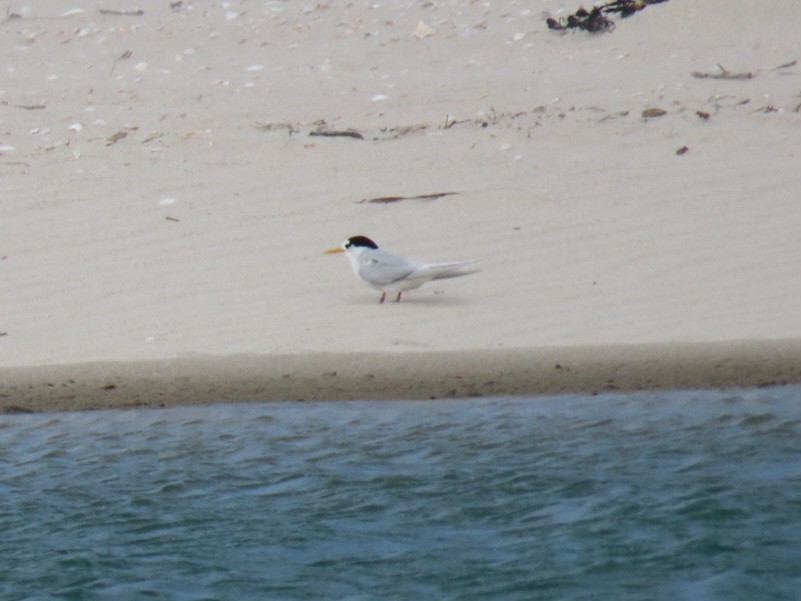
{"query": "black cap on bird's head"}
pixel 353 242
pixel 362 241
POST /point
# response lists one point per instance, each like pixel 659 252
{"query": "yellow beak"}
pixel 333 251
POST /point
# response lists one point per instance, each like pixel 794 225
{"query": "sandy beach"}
pixel 632 197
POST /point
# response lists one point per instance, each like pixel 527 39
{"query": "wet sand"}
pixel 379 376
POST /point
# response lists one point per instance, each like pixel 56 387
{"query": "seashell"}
pixel 423 30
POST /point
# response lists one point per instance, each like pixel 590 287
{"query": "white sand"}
pixel 200 232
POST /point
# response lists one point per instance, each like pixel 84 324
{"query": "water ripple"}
pixel 692 495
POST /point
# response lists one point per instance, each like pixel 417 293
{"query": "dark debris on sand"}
pixel 596 20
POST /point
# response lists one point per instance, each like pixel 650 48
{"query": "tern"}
pixel 391 273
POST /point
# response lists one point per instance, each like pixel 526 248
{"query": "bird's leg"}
pixel 383 297
pixel 397 298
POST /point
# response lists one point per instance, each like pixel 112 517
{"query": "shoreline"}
pixel 410 376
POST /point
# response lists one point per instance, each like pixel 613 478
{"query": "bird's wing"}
pixel 441 271
pixel 380 267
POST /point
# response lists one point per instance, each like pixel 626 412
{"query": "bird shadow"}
pixel 419 301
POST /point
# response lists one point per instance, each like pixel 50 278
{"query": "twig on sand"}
pixel 391 199
pixel 121 13
pixel 724 74
pixel 124 56
pixel 346 133
pixel 786 65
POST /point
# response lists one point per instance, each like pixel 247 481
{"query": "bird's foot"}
pixel 383 298
pixel 397 298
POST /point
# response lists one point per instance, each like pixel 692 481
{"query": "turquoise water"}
pixel 684 495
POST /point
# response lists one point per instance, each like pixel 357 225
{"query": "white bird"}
pixel 392 273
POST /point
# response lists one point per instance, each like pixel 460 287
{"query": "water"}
pixel 685 495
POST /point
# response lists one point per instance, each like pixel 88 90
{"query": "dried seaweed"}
pixel 595 20
pixel 626 8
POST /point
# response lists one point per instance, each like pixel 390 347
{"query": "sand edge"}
pixel 400 375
